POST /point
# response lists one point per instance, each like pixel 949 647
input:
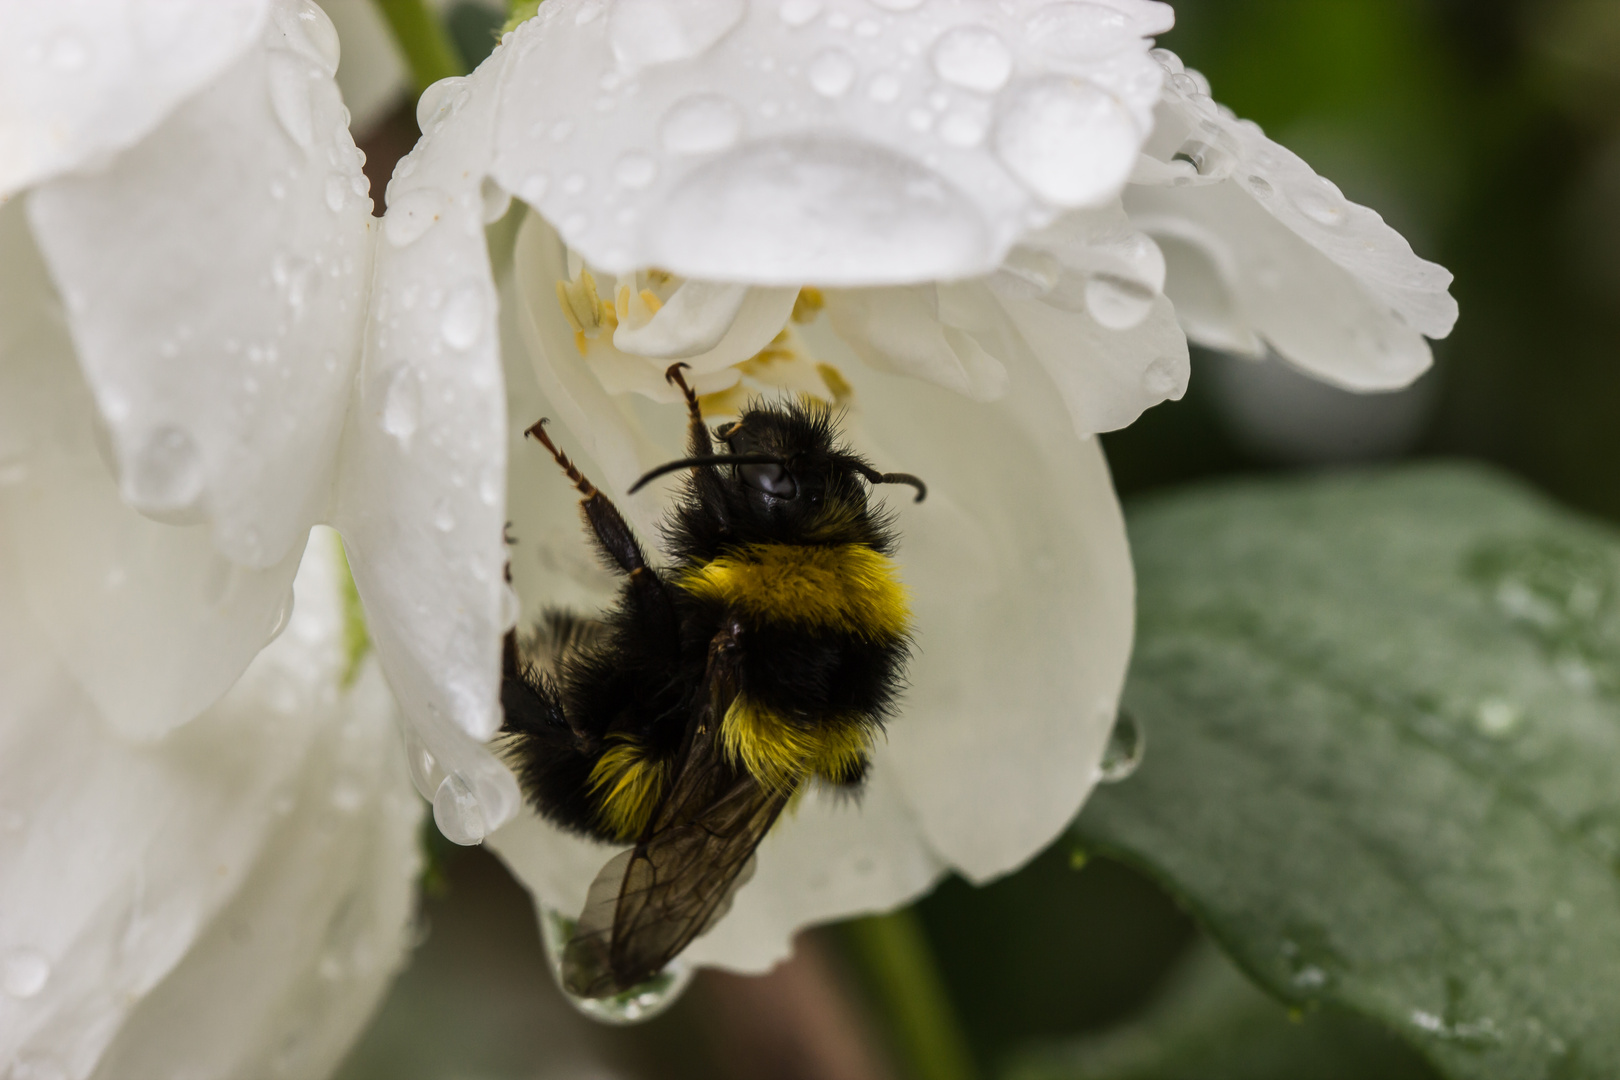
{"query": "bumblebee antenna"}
pixel 711 459
pixel 875 477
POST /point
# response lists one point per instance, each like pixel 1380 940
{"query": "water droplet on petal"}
pixel 1259 185
pixel 798 12
pixel 1126 744
pixel 411 215
pixel 511 608
pixel 646 32
pixel 897 5
pixel 462 323
pixel 402 404
pixel 444 515
pixel 1069 141
pixel 635 170
pixel 438 96
pixel 884 87
pixel 1319 209
pixel 963 129
pixel 1117 302
pixel 457 813
pixel 1079 31
pixel 322 35
pixel 336 193
pixel 24 972
pixel 639 1003
pixel 489 486
pixel 497 200
pixel 288 77
pixel 831 72
pixel 973 57
pixel 701 124
pixel 167 474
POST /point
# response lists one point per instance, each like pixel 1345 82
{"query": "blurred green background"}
pixel 1486 131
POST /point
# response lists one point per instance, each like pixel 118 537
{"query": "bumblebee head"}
pixel 786 467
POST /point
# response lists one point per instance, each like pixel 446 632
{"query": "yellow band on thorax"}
pixel 848 588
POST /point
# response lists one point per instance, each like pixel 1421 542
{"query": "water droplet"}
pixel 411 215
pixel 1127 742
pixel 1165 378
pixel 67 53
pixel 831 72
pixel 798 12
pixel 489 485
pixel 320 32
pixel 282 618
pixel 1079 31
pixel 575 183
pixel 1319 209
pixel 1069 141
pixel 439 96
pixel 1117 302
pixel 336 193
pixel 635 170
pixel 1310 977
pixel 534 188
pixel 701 124
pixel 167 474
pixel 511 608
pixel 1259 185
pixel 444 515
pixel 497 200
pixel 457 813
pixel 963 129
pixel 897 5
pixel 462 323
pixel 402 404
pixel 884 87
pixel 288 77
pixel 973 57
pixel 25 973
pixel 639 1003
pixel 647 32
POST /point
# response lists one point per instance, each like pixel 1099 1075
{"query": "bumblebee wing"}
pixel 647 904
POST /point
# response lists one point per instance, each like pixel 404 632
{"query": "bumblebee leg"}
pixel 698 443
pixel 619 545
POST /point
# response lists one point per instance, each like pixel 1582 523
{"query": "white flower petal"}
pixel 838 143
pixel 152 622
pixel 899 329
pixel 1022 592
pixel 151 890
pixel 1326 282
pixel 215 277
pixel 81 80
pixel 420 501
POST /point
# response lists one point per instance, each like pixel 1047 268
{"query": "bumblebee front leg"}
pixel 618 544
pixel 698 443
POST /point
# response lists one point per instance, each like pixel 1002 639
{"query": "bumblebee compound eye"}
pixel 771 478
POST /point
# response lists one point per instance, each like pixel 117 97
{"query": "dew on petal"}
pixel 411 215
pixel 1127 743
pixel 444 515
pixel 1070 142
pixel 897 5
pixel 963 129
pixel 799 12
pixel 457 813
pixel 436 97
pixel 884 87
pixel 462 322
pixel 24 972
pixel 402 404
pixel 973 57
pixel 1079 31
pixel 489 485
pixel 1117 302
pixel 702 124
pixel 167 473
pixel 647 32
pixel 289 81
pixel 635 170
pixel 336 193
pixel 321 34
pixel 831 72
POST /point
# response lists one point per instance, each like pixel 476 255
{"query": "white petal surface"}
pixel 1326 282
pixel 81 80
pixel 152 622
pixel 420 502
pixel 150 890
pixel 838 142
pixel 215 280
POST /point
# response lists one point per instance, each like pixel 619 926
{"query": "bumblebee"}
pixel 766 657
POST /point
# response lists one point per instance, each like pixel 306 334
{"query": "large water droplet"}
pixel 831 72
pixel 167 474
pixel 288 77
pixel 456 812
pixel 639 1003
pixel 462 323
pixel 24 972
pixel 321 34
pixel 701 124
pixel 1069 141
pixel 402 404
pixel 1117 302
pixel 646 32
pixel 1127 742
pixel 412 214
pixel 436 97
pixel 973 57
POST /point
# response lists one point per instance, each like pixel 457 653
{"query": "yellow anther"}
pixel 650 298
pixel 582 307
pixel 582 343
pixel 623 302
pixel 567 307
pixel 808 304
pixel 842 392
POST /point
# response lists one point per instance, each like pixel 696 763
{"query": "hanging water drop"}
pixel 167 475
pixel 457 813
pixel 1127 742
pixel 641 1002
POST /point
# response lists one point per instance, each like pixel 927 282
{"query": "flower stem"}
pixel 899 966
pixel 427 46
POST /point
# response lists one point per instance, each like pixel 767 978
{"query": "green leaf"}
pixel 1383 755
pixel 1212 1024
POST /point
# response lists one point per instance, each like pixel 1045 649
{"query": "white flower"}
pixel 943 217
